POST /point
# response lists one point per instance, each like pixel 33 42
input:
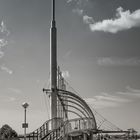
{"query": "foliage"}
pixel 7 133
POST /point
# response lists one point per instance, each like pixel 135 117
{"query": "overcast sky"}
pixel 98 50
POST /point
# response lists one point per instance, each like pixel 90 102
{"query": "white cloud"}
pixel 3 43
pixel 108 97
pixel 3 29
pixel 6 69
pixel 88 20
pixel 131 93
pixel 106 100
pixel 68 1
pixel 7 99
pixel 132 89
pixel 1 54
pixel 100 103
pixel 124 20
pixel 115 61
pixel 4 33
pixel 78 6
pixel 78 11
pixel 76 1
pixel 65 74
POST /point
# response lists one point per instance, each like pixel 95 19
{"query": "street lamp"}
pixel 25 125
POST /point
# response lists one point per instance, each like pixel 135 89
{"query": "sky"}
pixel 98 52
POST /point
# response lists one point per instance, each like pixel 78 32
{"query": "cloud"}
pixel 78 11
pixel 7 99
pixel 115 61
pixel 3 43
pixel 1 54
pixel 133 90
pixel 6 69
pixel 130 92
pixel 79 6
pixel 3 29
pixel 87 19
pixel 124 20
pixel 78 2
pixel 68 1
pixel 65 74
pixel 4 32
pixel 106 100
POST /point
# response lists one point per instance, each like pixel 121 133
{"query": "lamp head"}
pixel 25 105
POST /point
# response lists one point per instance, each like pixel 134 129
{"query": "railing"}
pixel 79 124
pixel 70 126
pixel 63 129
pixel 42 131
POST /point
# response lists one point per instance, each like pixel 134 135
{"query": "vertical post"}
pixel 85 136
pixel 53 69
pixel 25 123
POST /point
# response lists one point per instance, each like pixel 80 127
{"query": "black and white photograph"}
pixel 69 69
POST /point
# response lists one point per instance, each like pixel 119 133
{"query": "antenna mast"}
pixel 53 68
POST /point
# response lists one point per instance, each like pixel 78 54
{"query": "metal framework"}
pixel 70 115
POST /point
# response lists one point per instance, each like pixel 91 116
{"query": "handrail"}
pixel 62 130
pixel 86 122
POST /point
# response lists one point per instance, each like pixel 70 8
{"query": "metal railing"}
pixel 42 131
pixel 63 129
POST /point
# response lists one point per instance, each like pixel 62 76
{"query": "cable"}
pixel 102 122
pixel 47 84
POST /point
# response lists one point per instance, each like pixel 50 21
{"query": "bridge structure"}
pixel 71 118
pixel 75 120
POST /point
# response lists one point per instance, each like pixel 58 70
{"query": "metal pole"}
pixel 53 10
pixel 53 69
pixel 25 123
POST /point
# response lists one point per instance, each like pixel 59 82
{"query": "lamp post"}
pixel 25 125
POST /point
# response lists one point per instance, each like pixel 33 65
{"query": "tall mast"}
pixel 53 67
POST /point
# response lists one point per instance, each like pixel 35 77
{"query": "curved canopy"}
pixel 72 103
